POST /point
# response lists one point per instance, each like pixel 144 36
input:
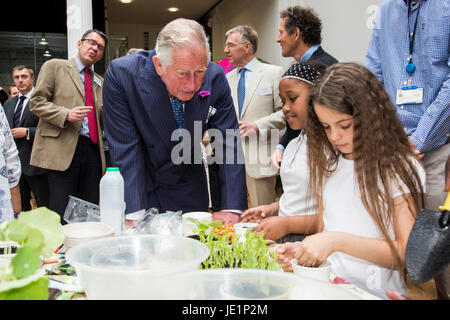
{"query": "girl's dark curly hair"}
pixel 382 155
pixel 307 20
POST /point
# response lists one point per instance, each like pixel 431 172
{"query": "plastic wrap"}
pixel 153 222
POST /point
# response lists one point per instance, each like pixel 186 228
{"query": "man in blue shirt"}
pixel 300 38
pixel 409 52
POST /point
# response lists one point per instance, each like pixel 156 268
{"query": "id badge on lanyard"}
pixel 410 94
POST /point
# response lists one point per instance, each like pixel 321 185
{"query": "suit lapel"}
pixel 253 84
pixel 24 113
pixel 156 101
pixel 232 81
pixel 10 111
pixel 75 75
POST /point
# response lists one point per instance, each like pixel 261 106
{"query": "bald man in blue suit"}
pixel 141 115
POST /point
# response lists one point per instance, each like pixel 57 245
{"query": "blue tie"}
pixel 18 112
pixel 177 107
pixel 241 90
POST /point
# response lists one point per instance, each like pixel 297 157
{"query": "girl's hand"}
pixel 273 227
pixel 286 252
pixel 315 249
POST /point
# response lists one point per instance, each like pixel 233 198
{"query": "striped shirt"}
pixel 427 124
pixel 10 169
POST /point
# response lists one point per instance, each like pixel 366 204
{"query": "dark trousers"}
pixel 36 184
pixel 81 179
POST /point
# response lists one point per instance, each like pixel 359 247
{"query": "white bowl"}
pixel 320 273
pixel 76 233
pixel 130 267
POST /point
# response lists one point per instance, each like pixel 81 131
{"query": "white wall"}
pixel 346 26
pixel 262 15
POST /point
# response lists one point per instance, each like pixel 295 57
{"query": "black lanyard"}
pixel 411 67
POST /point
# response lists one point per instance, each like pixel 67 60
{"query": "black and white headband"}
pixel 302 71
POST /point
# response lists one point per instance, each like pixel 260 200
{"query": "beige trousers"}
pixel 261 191
pixel 435 195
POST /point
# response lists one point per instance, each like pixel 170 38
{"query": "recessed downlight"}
pixel 173 9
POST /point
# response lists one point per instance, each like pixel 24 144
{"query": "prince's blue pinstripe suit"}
pixel 138 123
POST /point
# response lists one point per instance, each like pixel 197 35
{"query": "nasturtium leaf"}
pixel 49 223
pixel 16 231
pixel 35 238
pixel 36 290
pixel 26 262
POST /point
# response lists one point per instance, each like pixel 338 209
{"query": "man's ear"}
pixel 158 66
pixel 298 34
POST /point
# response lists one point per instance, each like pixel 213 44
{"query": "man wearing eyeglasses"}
pixel 254 88
pixel 68 141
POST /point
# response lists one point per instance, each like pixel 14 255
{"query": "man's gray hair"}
pixel 20 67
pixel 248 34
pixel 180 33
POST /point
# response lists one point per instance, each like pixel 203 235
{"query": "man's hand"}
pixel 447 174
pixel 247 128
pixel 226 217
pixel 18 133
pixel 276 158
pixel 78 113
pixel 257 214
pixel 419 155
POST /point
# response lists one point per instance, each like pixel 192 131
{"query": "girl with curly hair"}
pixel 367 184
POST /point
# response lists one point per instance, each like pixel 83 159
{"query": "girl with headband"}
pixel 295 208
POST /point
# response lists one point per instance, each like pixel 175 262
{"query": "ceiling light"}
pixel 126 1
pixel 47 54
pixel 173 9
pixel 43 41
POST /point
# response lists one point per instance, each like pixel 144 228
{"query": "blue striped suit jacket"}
pixel 138 123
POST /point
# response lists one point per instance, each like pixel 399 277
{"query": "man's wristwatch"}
pixel 28 134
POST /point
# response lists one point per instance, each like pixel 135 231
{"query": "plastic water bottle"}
pixel 112 205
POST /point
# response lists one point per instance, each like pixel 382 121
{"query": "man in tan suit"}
pixel 68 142
pixel 254 88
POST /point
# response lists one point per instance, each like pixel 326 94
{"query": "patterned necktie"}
pixel 89 97
pixel 18 112
pixel 177 107
pixel 241 90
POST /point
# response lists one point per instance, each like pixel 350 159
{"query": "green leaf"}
pixel 25 263
pixel 216 223
pixel 193 220
pixel 37 290
pixel 35 238
pixel 16 231
pixel 49 224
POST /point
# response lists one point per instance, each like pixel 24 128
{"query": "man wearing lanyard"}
pixel 412 60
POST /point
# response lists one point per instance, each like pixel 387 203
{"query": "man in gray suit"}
pixel 23 125
pixel 254 88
